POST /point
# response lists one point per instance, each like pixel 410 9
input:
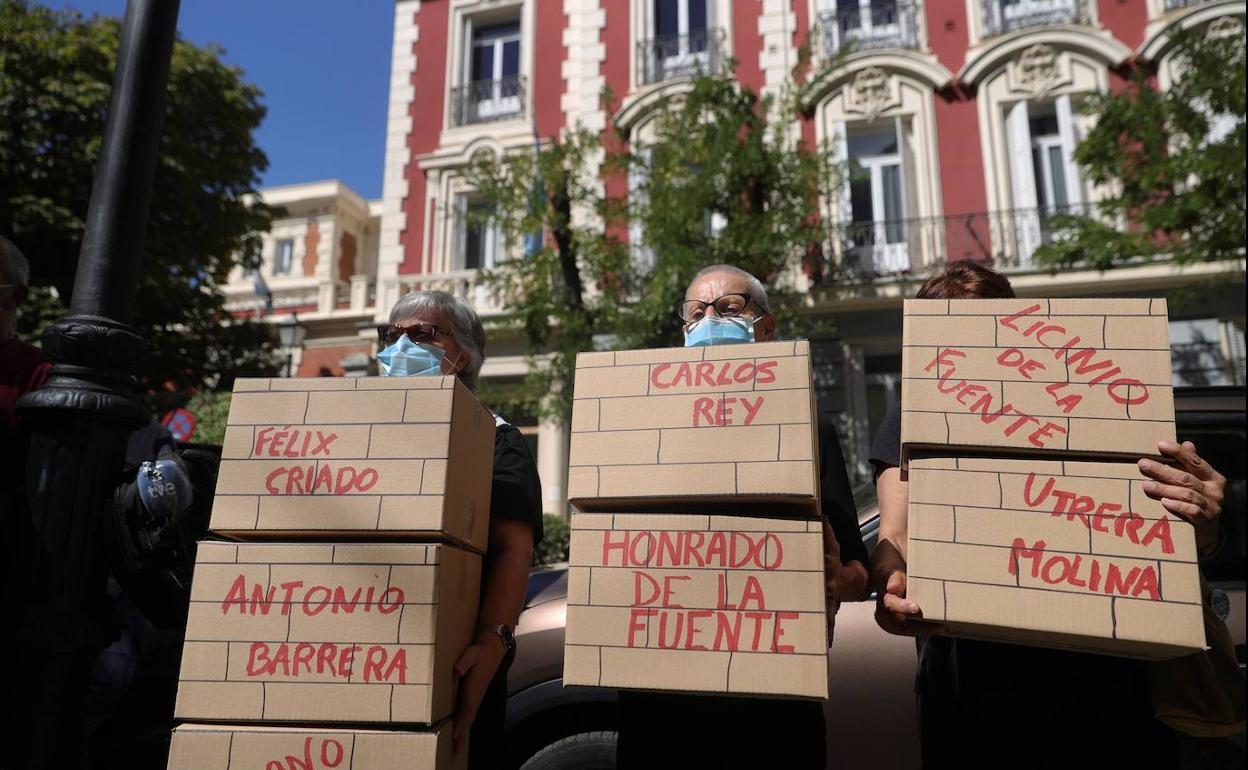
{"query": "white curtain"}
pixel 1021 228
pixel 1068 129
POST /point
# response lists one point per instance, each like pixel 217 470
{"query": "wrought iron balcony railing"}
pixel 885 24
pixel 483 101
pixel 1001 16
pixel 1175 4
pixel 701 52
pixel 1008 238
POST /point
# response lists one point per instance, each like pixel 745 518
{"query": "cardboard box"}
pixel 1064 376
pixel 250 747
pixel 732 426
pixel 366 457
pixel 697 603
pixel 1056 553
pixel 357 632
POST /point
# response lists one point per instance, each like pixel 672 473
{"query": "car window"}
pixel 1223 448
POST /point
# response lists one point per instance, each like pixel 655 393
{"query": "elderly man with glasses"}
pixel 726 305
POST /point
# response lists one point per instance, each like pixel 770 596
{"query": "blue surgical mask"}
pixel 406 357
pixel 713 330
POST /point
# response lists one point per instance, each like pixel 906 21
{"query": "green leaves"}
pixel 55 75
pixel 1173 186
pixel 719 179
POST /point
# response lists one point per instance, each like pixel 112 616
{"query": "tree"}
pixel 55 74
pixel 1172 163
pixel 723 181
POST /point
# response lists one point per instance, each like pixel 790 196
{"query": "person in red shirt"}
pixel 22 367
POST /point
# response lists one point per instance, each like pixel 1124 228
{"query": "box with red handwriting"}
pixel 1052 552
pixel 732 428
pixel 1055 376
pixel 361 458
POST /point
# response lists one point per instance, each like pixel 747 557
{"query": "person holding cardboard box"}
pixel 434 333
pixel 726 305
pixel 978 699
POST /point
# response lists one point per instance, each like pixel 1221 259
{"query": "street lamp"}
pixel 290 334
pixel 54 579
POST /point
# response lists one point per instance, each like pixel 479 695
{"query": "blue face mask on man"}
pixel 405 358
pixel 713 330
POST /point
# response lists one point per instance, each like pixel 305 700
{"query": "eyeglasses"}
pixel 727 306
pixel 416 332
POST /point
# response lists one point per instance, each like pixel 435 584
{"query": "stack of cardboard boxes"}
pixel 324 633
pixel 1022 422
pixel 697 548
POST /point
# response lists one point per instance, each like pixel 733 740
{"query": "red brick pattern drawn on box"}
pixel 683 423
pixel 1060 375
pixel 380 455
pixel 325 632
pixel 698 603
pixel 1065 547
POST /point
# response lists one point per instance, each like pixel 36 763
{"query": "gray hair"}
pixel 757 292
pixel 14 268
pixel 465 325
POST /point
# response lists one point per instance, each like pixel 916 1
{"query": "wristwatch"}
pixel 505 633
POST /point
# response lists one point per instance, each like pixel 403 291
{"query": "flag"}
pixel 262 289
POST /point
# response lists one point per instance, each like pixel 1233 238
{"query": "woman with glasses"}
pixel 432 333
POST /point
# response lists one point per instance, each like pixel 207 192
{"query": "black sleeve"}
pixel 516 492
pixel 837 498
pixel 886 448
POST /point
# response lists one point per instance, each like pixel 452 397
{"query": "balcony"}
pixel 464 284
pixel 1174 5
pixel 484 101
pixel 883 24
pixel 1002 16
pixel 866 250
pixel 700 52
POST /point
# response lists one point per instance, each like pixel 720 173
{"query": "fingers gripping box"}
pixel 1056 376
pixel 326 632
pixel 251 747
pixel 699 603
pixel 367 457
pixel 1058 553
pixel 731 427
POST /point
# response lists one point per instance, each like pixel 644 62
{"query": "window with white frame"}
pixel 643 255
pixel 1206 351
pixel 873 205
pixel 1001 16
pixel 478 242
pixel 682 41
pixel 283 256
pixel 493 87
pixel 868 24
pixel 1044 179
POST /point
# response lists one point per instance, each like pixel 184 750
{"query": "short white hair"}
pixel 465 325
pixel 758 292
pixel 14 269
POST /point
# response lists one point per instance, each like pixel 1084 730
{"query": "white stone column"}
pixel 398 126
pixel 552 466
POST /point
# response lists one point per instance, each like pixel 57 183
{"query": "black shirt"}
pixel 838 506
pixel 516 492
pixel 886 448
pixel 1047 696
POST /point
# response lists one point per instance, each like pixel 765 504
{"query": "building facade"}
pixel 959 119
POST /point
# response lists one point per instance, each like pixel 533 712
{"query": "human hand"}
pixel 841 582
pixel 1194 490
pixel 898 615
pixel 475 669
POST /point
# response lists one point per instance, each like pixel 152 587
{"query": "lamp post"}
pixel 291 334
pixel 54 578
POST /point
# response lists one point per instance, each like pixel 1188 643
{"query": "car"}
pixel 870 672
